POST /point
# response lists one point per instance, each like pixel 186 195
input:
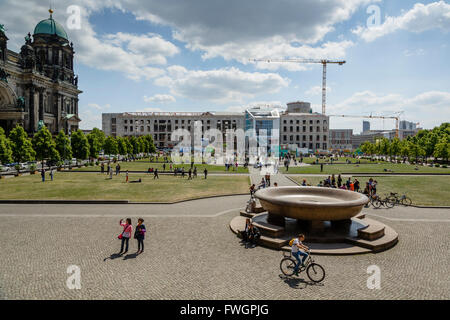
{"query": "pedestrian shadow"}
pixel 113 256
pixel 298 283
pixel 247 245
pixel 130 256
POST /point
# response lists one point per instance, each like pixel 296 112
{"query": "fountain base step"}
pixel 362 235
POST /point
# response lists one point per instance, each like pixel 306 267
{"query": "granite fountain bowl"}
pixel 311 203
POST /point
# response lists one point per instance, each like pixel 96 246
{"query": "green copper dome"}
pixel 50 26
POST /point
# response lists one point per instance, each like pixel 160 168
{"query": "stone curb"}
pixel 110 201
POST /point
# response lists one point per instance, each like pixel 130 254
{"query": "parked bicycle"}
pixel 251 204
pixel 395 199
pixel 315 272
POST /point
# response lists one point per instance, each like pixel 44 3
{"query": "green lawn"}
pixel 433 191
pixel 143 165
pixel 95 186
pixel 363 168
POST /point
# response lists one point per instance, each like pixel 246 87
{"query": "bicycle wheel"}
pixel 388 203
pixel 406 201
pixel 377 203
pixel 315 272
pixel 392 200
pixel 287 266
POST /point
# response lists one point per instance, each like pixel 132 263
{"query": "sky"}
pixel 197 55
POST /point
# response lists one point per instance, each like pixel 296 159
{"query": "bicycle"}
pixel 378 203
pixel 403 200
pixel 251 204
pixel 315 272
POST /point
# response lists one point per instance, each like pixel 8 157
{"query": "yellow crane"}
pixel 397 119
pixel 324 63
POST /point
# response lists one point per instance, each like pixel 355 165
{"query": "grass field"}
pixel 363 168
pixel 143 165
pixel 433 191
pixel 93 186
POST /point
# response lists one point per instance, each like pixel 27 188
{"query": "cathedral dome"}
pixel 50 26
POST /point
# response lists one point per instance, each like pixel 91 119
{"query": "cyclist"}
pixel 297 246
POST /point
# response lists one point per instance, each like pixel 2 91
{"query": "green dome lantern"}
pixel 50 26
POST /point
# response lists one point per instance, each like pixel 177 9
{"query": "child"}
pixel 139 235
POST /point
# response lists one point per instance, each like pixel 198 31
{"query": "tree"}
pixel 135 145
pixel 368 148
pixel 122 146
pixel 100 137
pixel 111 146
pixel 80 145
pixel 442 148
pixel 63 146
pixel 129 146
pixel 95 144
pixel 394 148
pixel 21 146
pixel 44 146
pixel 5 148
pixel 151 144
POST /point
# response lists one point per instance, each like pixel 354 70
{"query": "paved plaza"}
pixel 191 253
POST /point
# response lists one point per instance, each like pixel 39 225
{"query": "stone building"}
pixel 38 85
pixel 161 124
pixel 298 125
pixel 341 140
pixel 304 128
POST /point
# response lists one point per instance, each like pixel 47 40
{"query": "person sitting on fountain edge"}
pixel 297 246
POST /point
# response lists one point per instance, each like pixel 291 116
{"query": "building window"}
pixel 310 129
pixel 148 128
pixel 318 129
pixel 131 121
pixel 324 138
pixel 125 121
pixel 131 129
pixel 113 120
pixel 125 128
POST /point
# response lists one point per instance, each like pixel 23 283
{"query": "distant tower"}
pixel 366 126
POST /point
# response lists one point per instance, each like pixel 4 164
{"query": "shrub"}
pixel 86 164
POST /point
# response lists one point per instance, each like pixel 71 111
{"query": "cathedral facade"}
pixel 38 85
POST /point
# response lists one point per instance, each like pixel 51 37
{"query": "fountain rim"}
pixel 263 194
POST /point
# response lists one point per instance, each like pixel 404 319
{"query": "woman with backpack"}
pixel 125 235
pixel 139 235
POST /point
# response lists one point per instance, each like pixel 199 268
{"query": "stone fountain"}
pixel 331 219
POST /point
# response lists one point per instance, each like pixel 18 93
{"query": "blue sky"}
pixel 193 55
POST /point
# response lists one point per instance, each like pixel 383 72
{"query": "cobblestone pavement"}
pixel 190 253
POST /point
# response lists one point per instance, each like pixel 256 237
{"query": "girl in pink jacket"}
pixel 126 234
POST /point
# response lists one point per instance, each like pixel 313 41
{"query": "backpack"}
pixel 291 242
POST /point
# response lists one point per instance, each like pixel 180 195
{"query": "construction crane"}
pixel 397 119
pixel 324 73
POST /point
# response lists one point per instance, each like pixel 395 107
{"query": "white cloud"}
pixel 137 56
pixel 220 85
pixel 150 110
pixel 242 30
pixel 420 18
pixel 160 98
pixel 99 107
pixel 268 104
pixel 411 53
pixel 316 90
pixel 430 108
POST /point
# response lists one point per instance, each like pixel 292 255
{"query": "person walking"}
pixel 102 168
pixel 195 172
pixel 110 172
pixel 190 174
pixel 339 181
pixel 51 174
pixel 139 235
pixel 206 173
pixel 126 234
pixel 126 179
pixel 43 174
pixel 155 174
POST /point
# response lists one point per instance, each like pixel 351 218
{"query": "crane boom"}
pixel 397 119
pixel 324 63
